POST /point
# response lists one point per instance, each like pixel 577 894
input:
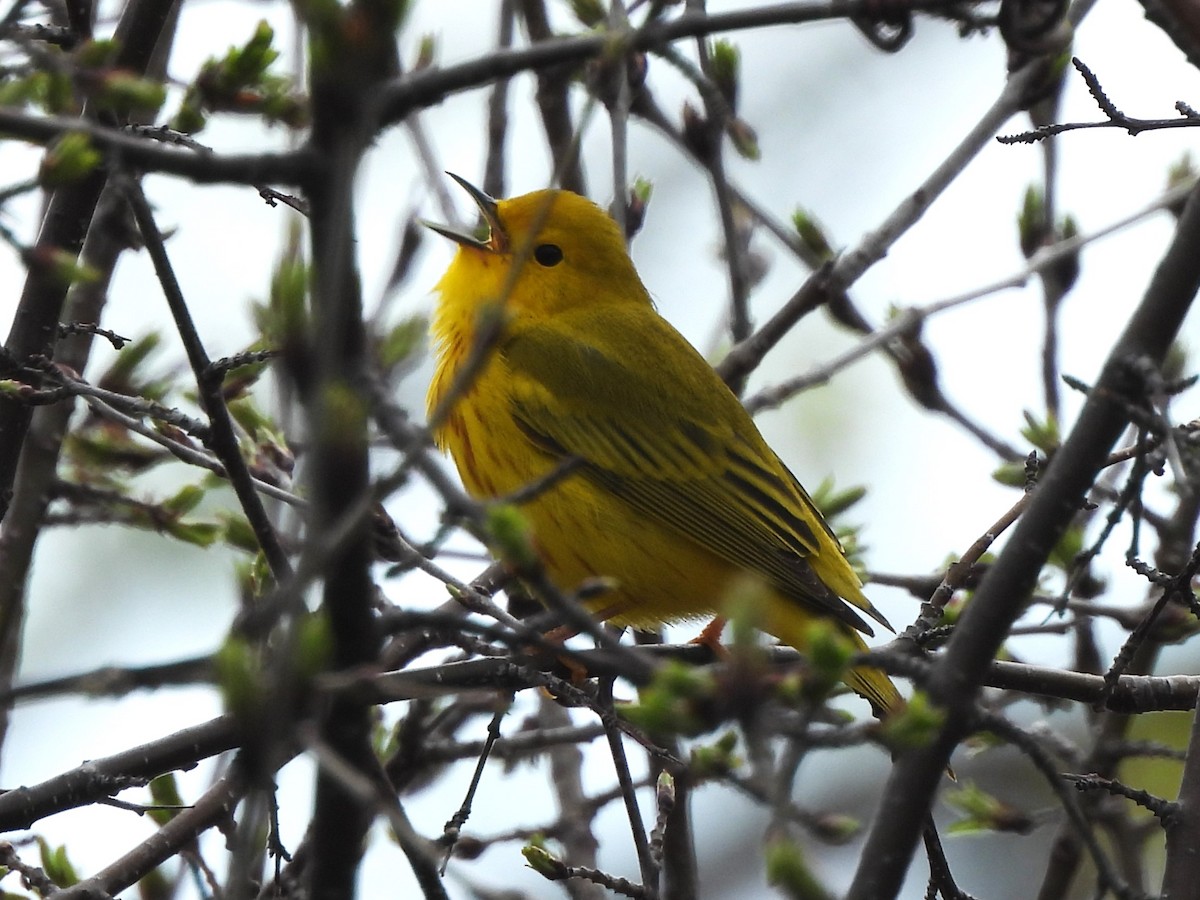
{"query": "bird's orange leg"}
pixel 710 637
pixel 564 633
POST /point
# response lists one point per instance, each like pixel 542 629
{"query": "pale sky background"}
pixel 845 131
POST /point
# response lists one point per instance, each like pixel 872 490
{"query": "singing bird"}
pixel 675 497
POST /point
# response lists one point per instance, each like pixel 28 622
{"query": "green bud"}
pixel 664 791
pixel 1066 269
pixel 284 318
pixel 69 159
pixel 788 871
pixel 20 91
pixel 1045 435
pixel 164 791
pixel 190 119
pixel 744 138
pixel 125 93
pixel 635 208
pixel 1067 550
pixel 1181 172
pixel 829 651
pixel 281 105
pixel 674 702
pixel 745 604
pixel 1031 221
pixel 510 535
pixel 836 828
pixel 59 93
pixel 237 533
pixel 62 265
pixel 725 61
pixel 253 576
pixel 247 65
pixel 1176 361
pixel 832 502
pixel 914 726
pixel 185 500
pixel 96 54
pixel 1010 474
pixel 540 860
pixel 400 343
pixel 199 534
pixel 812 235
pixel 56 864
pixel 983 812
pixel 246 412
pixel 590 13
pixel 715 760
pixel 314 645
pixel 343 415
pixel 426 52
pixel 239 677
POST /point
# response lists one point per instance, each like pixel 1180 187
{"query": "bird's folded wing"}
pixel 678 452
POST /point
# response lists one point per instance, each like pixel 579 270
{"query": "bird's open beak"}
pixel 494 241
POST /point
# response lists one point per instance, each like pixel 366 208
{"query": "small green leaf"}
pixel 836 828
pixel 725 61
pixel 510 535
pixel 240 82
pixel 56 864
pixel 314 645
pixel 1066 269
pixel 744 138
pixel 675 701
pixel 1031 221
pixel 124 93
pixel 1044 435
pixel 400 343
pixel 1010 474
pixel 984 812
pixel 1176 363
pixel 1068 548
pixel 914 726
pixel 239 677
pixel 832 502
pixel 187 499
pixel 99 53
pixel 199 534
pixel 70 158
pixel 427 50
pixel 829 653
pixel 237 532
pixel 541 861
pixel 164 791
pixel 788 871
pixel 283 319
pixel 590 13
pixel 812 234
pixel 343 416
pixel 715 760
pixel 62 265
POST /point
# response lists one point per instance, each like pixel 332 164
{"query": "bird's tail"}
pixel 874 686
pixel 871 684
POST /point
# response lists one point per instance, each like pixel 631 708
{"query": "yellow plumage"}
pixel 677 496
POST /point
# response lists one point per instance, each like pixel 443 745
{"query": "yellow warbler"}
pixel 676 496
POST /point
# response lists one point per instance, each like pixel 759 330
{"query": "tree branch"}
pixel 1001 597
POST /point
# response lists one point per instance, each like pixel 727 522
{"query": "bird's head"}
pixel 539 254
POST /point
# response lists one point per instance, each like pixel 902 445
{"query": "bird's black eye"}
pixel 548 254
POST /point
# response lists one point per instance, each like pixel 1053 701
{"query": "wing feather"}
pixel 675 450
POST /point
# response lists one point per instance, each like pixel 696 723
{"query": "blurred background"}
pixel 846 132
